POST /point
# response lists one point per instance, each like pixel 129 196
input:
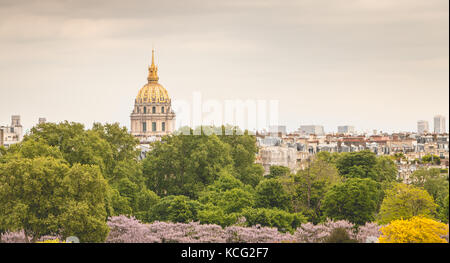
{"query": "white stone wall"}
pixel 276 155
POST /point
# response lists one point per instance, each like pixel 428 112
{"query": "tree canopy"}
pixel 406 201
pixel 355 200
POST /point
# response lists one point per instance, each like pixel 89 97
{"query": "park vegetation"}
pixel 65 180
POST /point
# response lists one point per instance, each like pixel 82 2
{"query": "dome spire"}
pixel 153 57
pixel 153 70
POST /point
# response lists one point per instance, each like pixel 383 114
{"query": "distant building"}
pixel 12 134
pixel 422 127
pixel 312 129
pixel 42 120
pixel 277 130
pixel 152 114
pixel 275 155
pixel 269 141
pixel 439 124
pixel 346 129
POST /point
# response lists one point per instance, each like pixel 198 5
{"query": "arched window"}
pixel 153 109
pixel 162 110
pixel 145 109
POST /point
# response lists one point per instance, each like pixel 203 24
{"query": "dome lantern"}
pixel 153 70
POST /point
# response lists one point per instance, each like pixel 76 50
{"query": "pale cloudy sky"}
pixel 374 64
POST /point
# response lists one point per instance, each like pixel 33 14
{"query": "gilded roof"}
pixel 153 92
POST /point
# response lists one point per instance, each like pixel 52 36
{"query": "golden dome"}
pixel 153 92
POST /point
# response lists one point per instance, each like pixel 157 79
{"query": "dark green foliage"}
pixel 357 164
pixel 443 211
pixel 280 219
pixel 355 200
pixel 145 201
pixel 385 169
pixel 311 185
pixel 365 164
pixel 277 171
pixel 176 208
pixel 224 200
pixel 328 157
pixel 185 164
pixel 431 158
pixel 122 143
pixel 44 196
pixel 270 193
pixel 211 214
pixel 81 177
pixel 76 144
pixel 251 175
pixel 433 181
pixel 436 184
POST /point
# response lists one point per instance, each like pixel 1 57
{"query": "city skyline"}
pixel 369 64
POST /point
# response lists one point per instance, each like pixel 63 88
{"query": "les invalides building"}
pixel 152 116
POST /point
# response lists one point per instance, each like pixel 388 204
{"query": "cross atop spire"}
pixel 153 70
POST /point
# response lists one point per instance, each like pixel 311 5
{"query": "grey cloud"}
pixel 308 49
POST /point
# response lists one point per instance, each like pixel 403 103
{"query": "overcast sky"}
pixel 378 64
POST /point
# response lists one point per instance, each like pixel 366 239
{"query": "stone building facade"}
pixel 152 116
pixel 11 134
pixel 275 155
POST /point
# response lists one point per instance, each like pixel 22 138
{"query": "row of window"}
pixel 144 126
pixel 153 109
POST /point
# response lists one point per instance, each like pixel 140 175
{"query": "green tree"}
pixel 404 202
pixel 39 196
pixel 399 157
pixel 251 175
pixel 76 144
pixel 365 164
pixel 229 194
pixel 277 171
pixel 231 201
pixel 32 149
pixel 122 143
pixel 311 185
pixel 243 151
pixel 280 219
pixel 443 212
pixel 224 200
pixel 116 204
pixel 385 169
pixel 330 158
pixel 211 214
pixel 146 200
pixel 176 208
pixel 431 158
pixel 270 193
pixel 357 164
pixel 185 164
pixel 433 181
pixel 355 200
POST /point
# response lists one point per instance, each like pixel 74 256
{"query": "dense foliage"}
pixel 414 230
pixel 404 202
pixel 355 200
pixel 65 180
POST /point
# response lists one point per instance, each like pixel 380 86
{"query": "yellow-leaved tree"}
pixel 417 229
